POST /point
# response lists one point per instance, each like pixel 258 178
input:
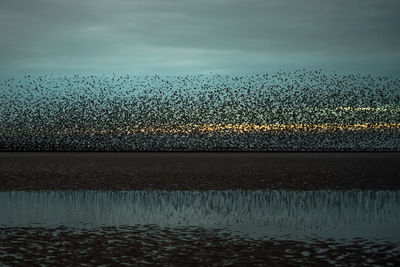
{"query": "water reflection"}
pixel 267 212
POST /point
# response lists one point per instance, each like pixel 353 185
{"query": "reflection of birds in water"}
pixel 201 112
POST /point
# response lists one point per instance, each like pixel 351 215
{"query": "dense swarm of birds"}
pixel 286 111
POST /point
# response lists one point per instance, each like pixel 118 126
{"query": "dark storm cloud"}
pixel 197 36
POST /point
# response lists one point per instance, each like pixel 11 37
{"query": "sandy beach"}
pixel 199 171
pixel 152 245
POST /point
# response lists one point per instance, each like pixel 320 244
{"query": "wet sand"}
pixel 198 171
pixel 152 245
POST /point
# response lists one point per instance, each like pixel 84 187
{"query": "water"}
pixel 259 214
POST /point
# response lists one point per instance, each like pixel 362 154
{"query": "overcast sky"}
pixel 198 36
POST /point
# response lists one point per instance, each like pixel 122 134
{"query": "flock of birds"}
pixel 285 111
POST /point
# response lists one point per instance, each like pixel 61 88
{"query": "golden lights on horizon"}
pixel 237 128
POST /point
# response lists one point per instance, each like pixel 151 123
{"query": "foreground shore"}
pixel 152 245
pixel 199 171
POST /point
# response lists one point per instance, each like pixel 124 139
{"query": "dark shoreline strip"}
pixel 198 171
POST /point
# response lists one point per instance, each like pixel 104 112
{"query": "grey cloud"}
pixel 195 36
